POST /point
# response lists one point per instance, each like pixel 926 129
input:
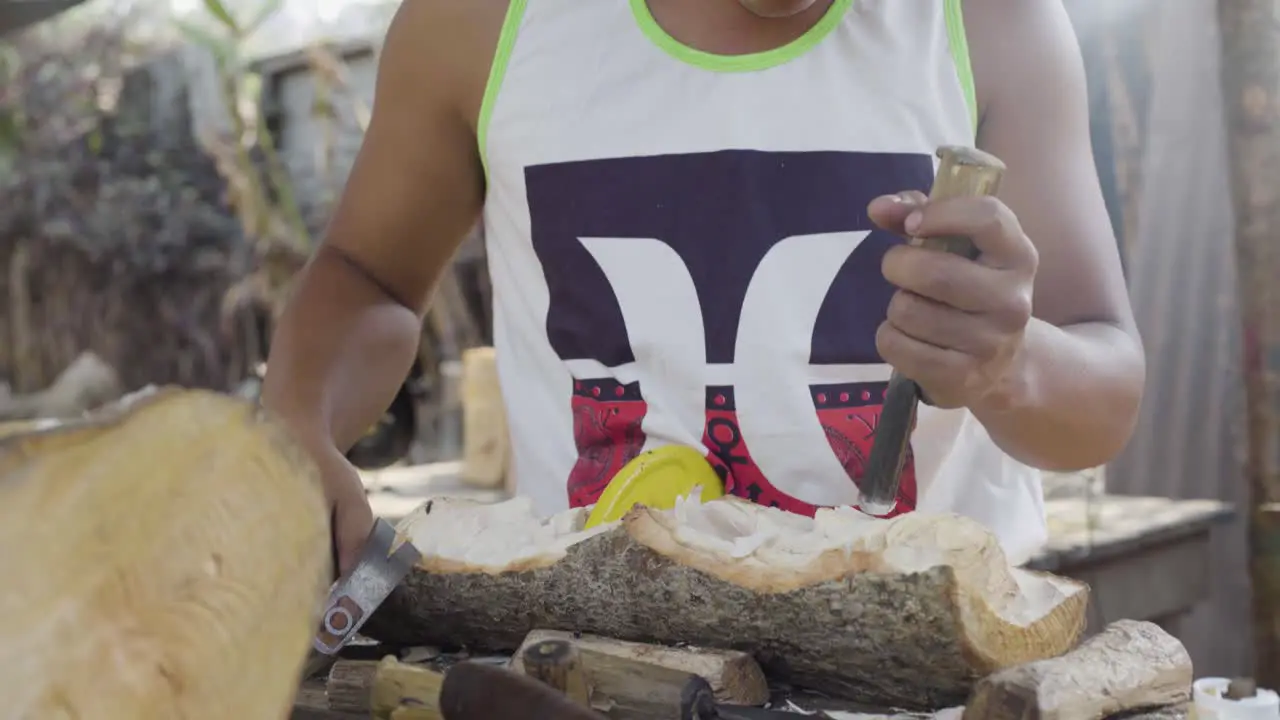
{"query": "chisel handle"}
pixel 962 172
pixel 558 664
pixel 472 691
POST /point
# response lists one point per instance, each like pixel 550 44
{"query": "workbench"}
pixel 1144 558
pixel 311 706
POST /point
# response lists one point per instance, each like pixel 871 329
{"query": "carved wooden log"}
pixel 908 612
pixel 164 558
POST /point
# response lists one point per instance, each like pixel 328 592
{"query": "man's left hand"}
pixel 956 326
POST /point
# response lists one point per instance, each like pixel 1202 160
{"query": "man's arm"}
pixel 1083 359
pixel 351 330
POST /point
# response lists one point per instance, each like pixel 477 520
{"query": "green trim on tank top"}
pixel 738 63
pixel 497 71
pixel 958 39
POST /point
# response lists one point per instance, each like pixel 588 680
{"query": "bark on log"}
pixel 908 612
pixel 163 558
pixel 1129 666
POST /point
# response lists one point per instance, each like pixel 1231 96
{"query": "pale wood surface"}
pixel 1146 558
pixel 1079 527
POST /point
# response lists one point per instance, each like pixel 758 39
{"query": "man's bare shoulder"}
pixel 1018 44
pixel 448 43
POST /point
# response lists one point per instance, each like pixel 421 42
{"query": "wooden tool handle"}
pixel 963 172
pixel 639 679
pixel 398 686
pixel 697 700
pixel 557 664
pixel 479 692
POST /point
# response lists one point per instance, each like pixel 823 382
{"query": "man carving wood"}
pixel 694 214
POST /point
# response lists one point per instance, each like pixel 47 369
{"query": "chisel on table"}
pixel 962 172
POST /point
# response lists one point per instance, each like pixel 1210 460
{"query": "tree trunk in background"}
pixel 1251 91
pixel 1116 40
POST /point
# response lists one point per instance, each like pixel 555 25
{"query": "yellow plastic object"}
pixel 655 479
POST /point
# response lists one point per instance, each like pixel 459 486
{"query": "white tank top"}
pixel 681 254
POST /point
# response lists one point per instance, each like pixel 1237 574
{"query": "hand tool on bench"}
pixel 698 702
pixel 636 679
pixel 963 172
pixel 387 558
pixel 1129 666
pixel 473 691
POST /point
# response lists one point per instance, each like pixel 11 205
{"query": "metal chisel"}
pixel 385 561
pixel 962 172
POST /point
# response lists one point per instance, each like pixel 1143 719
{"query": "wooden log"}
pixel 1129 666
pixel 485 445
pixel 163 558
pixel 642 680
pixel 349 688
pixel 908 612
pixel 405 692
pixel 558 664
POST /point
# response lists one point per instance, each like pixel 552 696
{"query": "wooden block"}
pixel 405 692
pixel 350 685
pixel 1129 666
pixel 639 680
pixel 311 704
pixel 558 664
pixel 385 689
pixel 162 558
pixel 485 445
